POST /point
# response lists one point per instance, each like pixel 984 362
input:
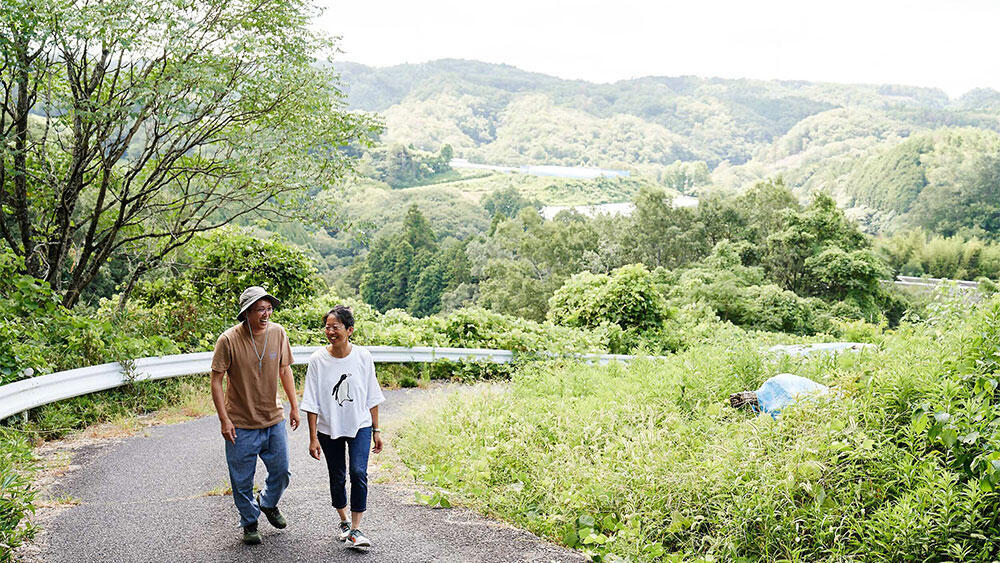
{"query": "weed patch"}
pixel 648 462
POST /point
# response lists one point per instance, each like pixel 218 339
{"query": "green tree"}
pixel 222 264
pixel 395 264
pixel 628 298
pixel 418 232
pixel 507 202
pixel 426 297
pixel 527 258
pixel 972 202
pixel 377 282
pixel 685 176
pixel 741 294
pixel 129 126
pixel 836 274
pixel 447 153
pixel 806 234
pixel 661 235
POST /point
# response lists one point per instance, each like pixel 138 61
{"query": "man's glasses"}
pixel 262 310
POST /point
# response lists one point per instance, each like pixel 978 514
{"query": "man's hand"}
pixel 228 430
pixel 314 448
pixel 293 418
pixel 377 438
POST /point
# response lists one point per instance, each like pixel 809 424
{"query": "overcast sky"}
pixel 950 44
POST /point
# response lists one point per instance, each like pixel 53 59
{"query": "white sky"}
pixel 950 44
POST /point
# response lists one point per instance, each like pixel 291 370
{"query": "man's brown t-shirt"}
pixel 252 388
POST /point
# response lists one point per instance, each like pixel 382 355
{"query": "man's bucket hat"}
pixel 252 295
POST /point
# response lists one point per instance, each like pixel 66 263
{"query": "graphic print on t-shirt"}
pixel 342 390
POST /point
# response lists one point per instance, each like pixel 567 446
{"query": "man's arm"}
pixel 219 398
pixel 376 432
pixel 288 382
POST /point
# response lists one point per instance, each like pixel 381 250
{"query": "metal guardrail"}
pixel 37 391
pixel 801 350
pixel 934 282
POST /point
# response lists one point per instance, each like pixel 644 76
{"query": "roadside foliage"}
pixel 648 462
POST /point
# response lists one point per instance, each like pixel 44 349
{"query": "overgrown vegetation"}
pixel 919 253
pixel 648 462
pixel 16 492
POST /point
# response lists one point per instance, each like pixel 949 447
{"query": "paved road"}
pixel 144 499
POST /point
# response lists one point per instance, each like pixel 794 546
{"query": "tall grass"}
pixel 648 462
pixel 16 494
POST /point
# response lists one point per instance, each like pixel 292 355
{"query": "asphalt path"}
pixel 156 498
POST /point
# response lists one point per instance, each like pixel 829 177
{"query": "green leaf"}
pixel 593 538
pixel 949 437
pixel 654 550
pixel 969 438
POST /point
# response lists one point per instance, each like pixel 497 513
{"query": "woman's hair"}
pixel 343 314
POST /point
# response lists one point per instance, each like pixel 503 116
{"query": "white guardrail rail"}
pixel 37 391
pixel 934 282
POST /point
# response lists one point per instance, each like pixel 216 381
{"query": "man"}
pixel 254 355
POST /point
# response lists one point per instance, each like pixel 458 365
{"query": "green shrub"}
pixel 16 492
pixel 629 298
pixel 203 301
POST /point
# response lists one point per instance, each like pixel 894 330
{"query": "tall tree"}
pixel 662 235
pixel 396 263
pixel 128 126
pixel 807 233
pixel 417 230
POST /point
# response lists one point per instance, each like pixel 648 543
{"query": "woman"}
pixel 341 398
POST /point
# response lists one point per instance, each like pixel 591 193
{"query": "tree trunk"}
pixel 32 257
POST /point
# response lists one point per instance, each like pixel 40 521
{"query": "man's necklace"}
pixel 260 356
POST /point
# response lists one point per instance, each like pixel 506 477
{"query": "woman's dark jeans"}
pixel 357 449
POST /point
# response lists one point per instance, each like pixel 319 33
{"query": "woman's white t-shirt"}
pixel 341 391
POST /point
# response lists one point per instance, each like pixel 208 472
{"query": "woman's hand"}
pixel 377 438
pixel 314 448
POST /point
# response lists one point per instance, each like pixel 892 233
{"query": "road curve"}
pixel 150 498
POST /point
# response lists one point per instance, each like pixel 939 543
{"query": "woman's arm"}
pixel 376 431
pixel 314 447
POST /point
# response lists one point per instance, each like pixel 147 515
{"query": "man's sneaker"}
pixel 345 530
pixel 273 515
pixel 250 534
pixel 357 539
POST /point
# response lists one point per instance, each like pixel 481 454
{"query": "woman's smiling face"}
pixel 335 331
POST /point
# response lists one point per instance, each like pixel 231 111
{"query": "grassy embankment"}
pixel 648 461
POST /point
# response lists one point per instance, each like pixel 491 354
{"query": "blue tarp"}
pixel 784 389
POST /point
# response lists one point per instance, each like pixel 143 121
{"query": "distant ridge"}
pixel 838 138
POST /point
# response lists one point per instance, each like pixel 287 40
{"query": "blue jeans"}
pixel 271 444
pixel 357 449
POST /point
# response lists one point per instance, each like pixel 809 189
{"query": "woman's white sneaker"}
pixel 357 539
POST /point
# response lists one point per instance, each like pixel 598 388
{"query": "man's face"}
pixel 259 313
